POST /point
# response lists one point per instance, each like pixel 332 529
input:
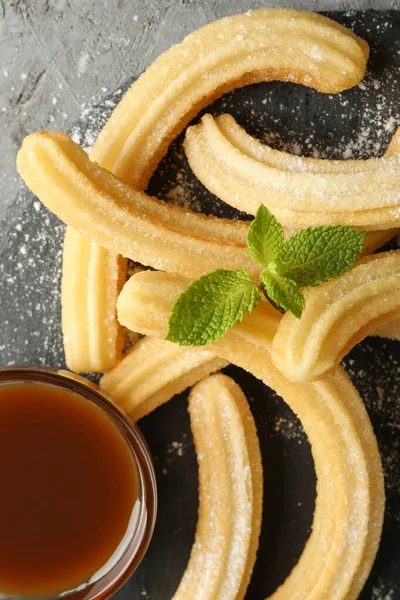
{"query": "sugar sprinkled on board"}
pixel 365 130
pixel 290 429
pixel 380 591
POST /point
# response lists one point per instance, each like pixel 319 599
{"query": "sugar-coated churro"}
pixel 300 192
pixel 234 51
pixel 338 314
pixel 126 221
pixel 153 371
pixel 350 495
pixel 92 280
pixel 141 295
pixel 230 492
pixel 390 330
pixel 262 45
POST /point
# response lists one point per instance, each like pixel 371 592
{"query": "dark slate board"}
pixel 355 124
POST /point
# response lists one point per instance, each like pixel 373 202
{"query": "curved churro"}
pixel 92 280
pixel 300 192
pixel 230 491
pixel 338 314
pixel 153 371
pixel 124 220
pixel 343 444
pixel 261 45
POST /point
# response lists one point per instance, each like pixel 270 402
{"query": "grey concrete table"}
pixel 56 56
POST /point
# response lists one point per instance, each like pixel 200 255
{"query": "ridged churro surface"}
pixel 332 414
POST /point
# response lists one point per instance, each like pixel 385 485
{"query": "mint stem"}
pixel 264 293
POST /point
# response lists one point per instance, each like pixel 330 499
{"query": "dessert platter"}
pixel 271 475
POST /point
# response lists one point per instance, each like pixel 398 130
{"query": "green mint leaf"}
pixel 265 238
pixel 317 254
pixel 211 305
pixel 283 292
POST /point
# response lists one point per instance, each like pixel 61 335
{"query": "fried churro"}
pixel 92 280
pixel 230 492
pixel 258 46
pixel 262 45
pixel 300 192
pixel 350 495
pixel 126 221
pixel 154 371
pixel 338 314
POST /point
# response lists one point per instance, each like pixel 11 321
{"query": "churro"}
pixel 390 330
pixel 258 46
pixel 154 371
pixel 262 45
pixel 92 280
pixel 300 192
pixel 126 221
pixel 350 495
pixel 338 314
pixel 230 492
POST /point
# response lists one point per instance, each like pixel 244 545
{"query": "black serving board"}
pixel 355 124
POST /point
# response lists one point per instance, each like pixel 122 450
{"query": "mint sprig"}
pixel 218 300
pixel 211 305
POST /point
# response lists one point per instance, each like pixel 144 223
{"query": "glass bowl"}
pixel 116 572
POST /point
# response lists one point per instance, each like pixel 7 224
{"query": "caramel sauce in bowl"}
pixel 78 494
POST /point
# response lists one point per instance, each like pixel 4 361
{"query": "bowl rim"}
pixel 108 583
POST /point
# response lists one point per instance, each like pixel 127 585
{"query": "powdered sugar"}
pixel 355 124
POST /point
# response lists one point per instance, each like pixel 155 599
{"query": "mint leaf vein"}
pixel 211 305
pixel 317 254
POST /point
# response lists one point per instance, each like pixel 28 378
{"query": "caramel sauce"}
pixel 69 487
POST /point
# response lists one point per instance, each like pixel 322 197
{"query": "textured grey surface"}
pixel 76 52
pixel 358 124
pixel 56 56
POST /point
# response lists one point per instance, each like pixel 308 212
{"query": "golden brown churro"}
pixel 262 45
pixel 154 371
pixel 90 284
pixel 245 173
pixel 258 46
pixel 124 220
pixel 338 314
pixel 230 491
pixel 92 280
pixel 344 447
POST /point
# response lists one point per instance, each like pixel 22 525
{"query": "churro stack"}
pixel 109 216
